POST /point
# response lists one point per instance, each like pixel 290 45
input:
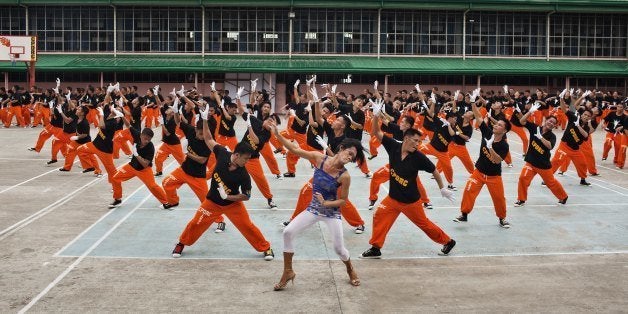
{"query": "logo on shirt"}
pixel 224 125
pixel 403 182
pixel 219 181
pixel 538 148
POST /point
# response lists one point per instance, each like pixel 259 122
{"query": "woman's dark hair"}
pixel 351 142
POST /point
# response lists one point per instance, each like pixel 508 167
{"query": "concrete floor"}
pixel 63 250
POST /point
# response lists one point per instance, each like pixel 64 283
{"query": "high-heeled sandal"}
pixel 282 285
pixel 353 281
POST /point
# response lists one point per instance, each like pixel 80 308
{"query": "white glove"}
pixel 110 88
pixel 375 85
pixel 314 94
pixel 456 94
pixel 433 97
pixel 383 107
pixel 489 142
pixel 248 120
pixel 615 123
pixel 120 102
pixel 586 93
pixel 571 91
pixel 58 83
pixel 68 96
pixel 473 96
pixel 56 90
pixel 423 105
pixel 197 117
pixel 213 86
pixel 134 150
pixel 100 112
pixel 118 113
pixel 445 122
pixel 490 112
pixel 333 88
pixel 175 105
pixel 74 138
pixel 418 88
pixel 505 89
pixel 222 192
pixel 296 84
pixel 562 94
pixel 577 122
pixel 292 112
pixel 240 92
pixel 205 113
pixel 181 91
pixel 349 117
pixel 253 85
pixel 321 142
pixel 378 105
pixel 535 107
pixel 310 81
pixel 156 90
pixel 222 103
pixel 517 109
pixel 308 107
pixel 160 119
pixel 538 133
pixel 59 108
pixel 173 92
pixel 116 88
pixel 448 194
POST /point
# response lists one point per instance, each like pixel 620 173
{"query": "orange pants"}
pixel 44 135
pixel 151 115
pixel 426 133
pixel 127 172
pixel 527 174
pixel 209 213
pixel 364 167
pixel 26 114
pixel 42 115
pixel 561 117
pixel 443 160
pixel 269 158
pixel 460 151
pixel 292 159
pixel 374 144
pixel 587 150
pixel 85 150
pixel 565 153
pixel 388 211
pixel 177 178
pixel 93 117
pixel 60 143
pixel 254 168
pixel 612 140
pixel 522 135
pixel 86 163
pixel 275 142
pixel 348 211
pixel 166 150
pixel 621 160
pixel 120 139
pixel 473 187
pixel 382 175
pixel 227 141
pixel 14 111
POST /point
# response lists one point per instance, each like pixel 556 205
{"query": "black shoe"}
pixel 285 223
pixel 584 182
pixel 178 249
pixel 279 177
pixel 158 174
pixel 447 247
pixel 50 162
pixel 359 229
pixel 115 203
pixel 278 150
pixel 220 228
pixel 560 173
pixel 563 201
pixel 603 159
pixel 371 157
pixel 88 170
pixel 461 218
pixel 428 206
pixel 594 174
pixel 272 204
pixel 32 149
pixel 520 203
pixel 289 175
pixel 168 206
pixel 368 175
pixel 543 183
pixel 451 187
pixel 63 170
pixel 373 252
pixel 269 255
pixel 371 205
pixel 504 224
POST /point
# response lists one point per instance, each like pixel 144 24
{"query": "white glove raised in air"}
pixel 562 94
pixel 321 142
pixel 375 84
pixel 160 119
pixel 100 112
pixel 444 121
pixel 58 82
pixel 448 194
pixel 296 84
pixel 240 92
pixel 205 113
pixel 253 85
pixel 489 141
pixel 456 94
pixel 505 89
pixel 418 88
pixel 378 105
pixel 314 94
pixel 175 105
pixel 181 91
pixel 173 92
pixel 538 133
pixel 213 86
pixel 310 81
pixel 156 90
pixel 535 107
pixel 333 88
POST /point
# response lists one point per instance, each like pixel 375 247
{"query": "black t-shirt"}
pixel 484 164
pixel 70 128
pixel 212 123
pixel 263 135
pixel 440 140
pixel 428 122
pixel 199 148
pixel 538 155
pixel 613 121
pixel 226 126
pixel 311 134
pixel 333 141
pixel 299 110
pixel 147 152
pixel 353 132
pixel 516 116
pixel 104 139
pixel 396 132
pixel 171 138
pixel 403 173
pixel 82 127
pixel 464 130
pixel 56 119
pixel 233 182
pixel 572 135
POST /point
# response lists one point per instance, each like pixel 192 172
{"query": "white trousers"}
pixel 306 219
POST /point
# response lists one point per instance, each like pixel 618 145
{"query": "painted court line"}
pixel 28 220
pixel 31 179
pixel 81 258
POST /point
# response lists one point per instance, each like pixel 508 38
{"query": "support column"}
pixel 31 73
pixel 379 32
pixel 115 31
pixel 291 16
pixel 547 37
pixel 6 80
pixel 102 80
pixel 203 31
pixel 464 35
pixel 479 76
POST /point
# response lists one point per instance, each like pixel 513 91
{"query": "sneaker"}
pixel 32 149
pixel 509 165
pixel 115 203
pixel 452 188
pixel 283 156
pixel 220 228
pixel 98 175
pixel 88 170
pixel 159 174
pixel 428 206
pixel 63 170
pixel 50 162
pixel 504 224
pixel 285 223
pixel 168 206
pixel 563 201
pixel 272 204
pixel 523 156
pixel 373 252
pixel 461 218
pixel 178 249
pixel 368 175
pixel 561 173
pixel 447 247
pixel 371 157
pixel 520 203
pixel 543 183
pixel 269 255
pixel 584 182
pixel 594 174
pixel 359 229
pixel 279 177
pixel 276 151
pixel 289 175
pixel 371 205
pixel 603 158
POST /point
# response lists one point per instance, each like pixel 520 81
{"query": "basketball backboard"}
pixel 18 48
